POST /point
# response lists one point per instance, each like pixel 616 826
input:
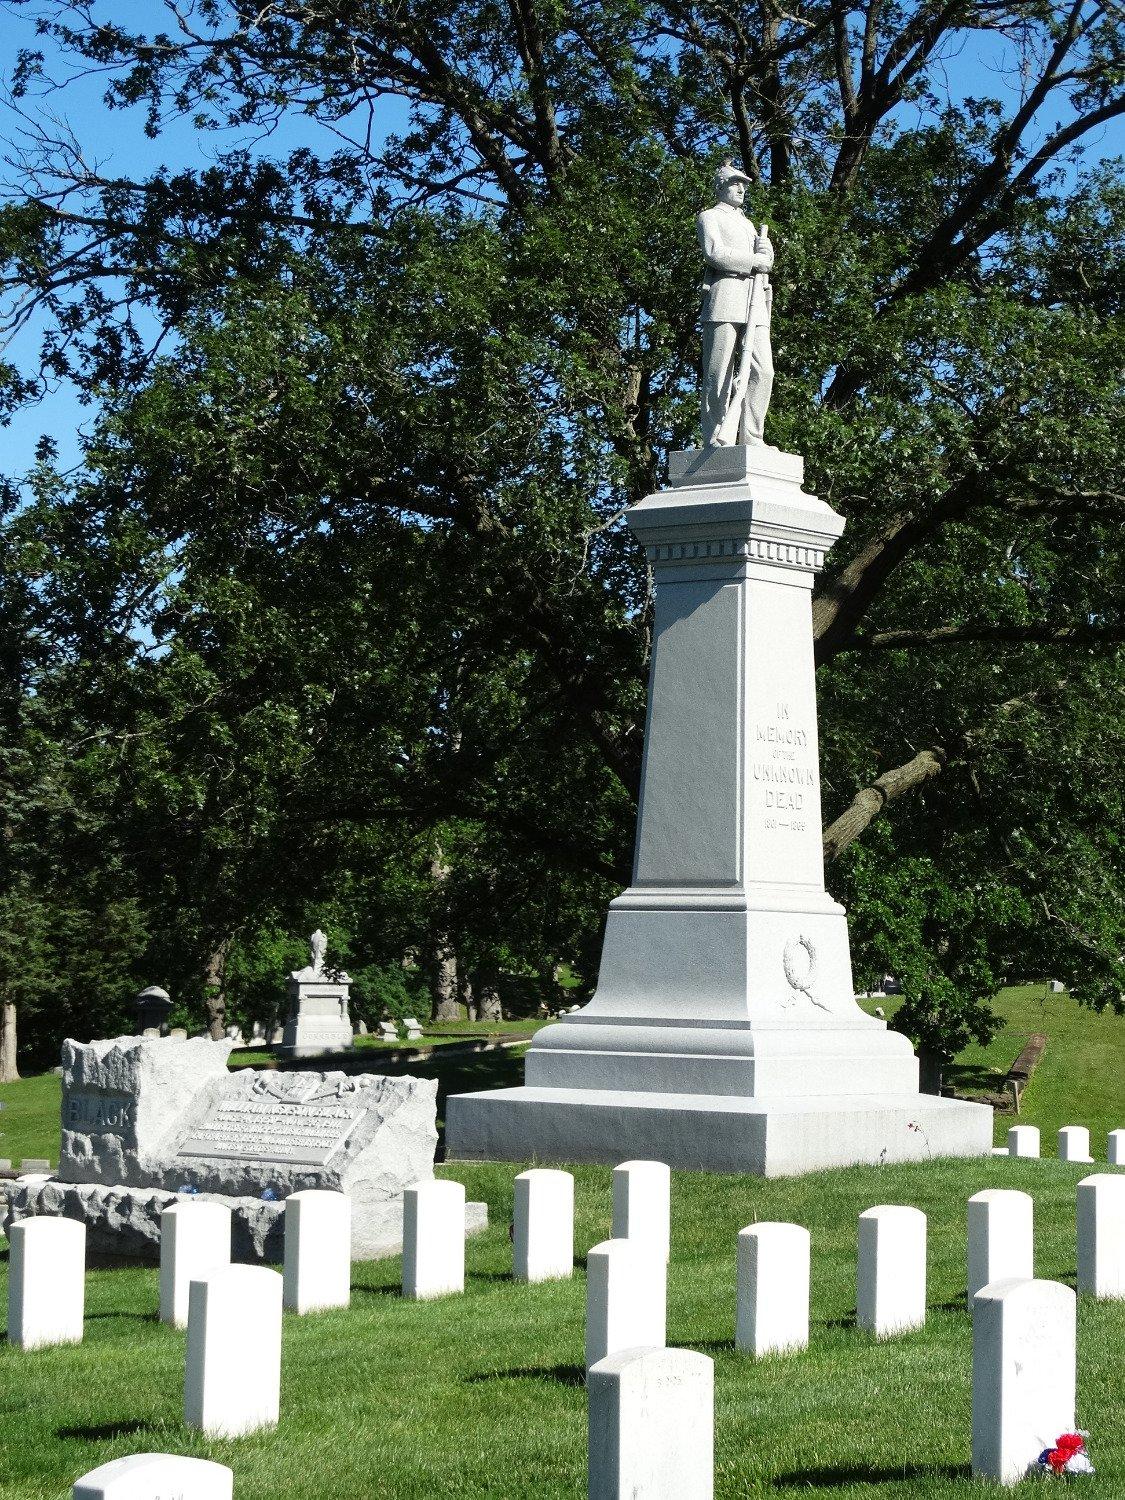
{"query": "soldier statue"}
pixel 737 297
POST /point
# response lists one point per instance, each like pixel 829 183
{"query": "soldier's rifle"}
pixel 726 434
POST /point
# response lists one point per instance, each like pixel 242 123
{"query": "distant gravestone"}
pixel 35 1164
pixel 232 1378
pixel 318 1019
pixel 46 1283
pixel 1023 1374
pixel 388 1031
pixel 154 1006
pixel 652 1425
pixel 1115 1148
pixel 1101 1236
pixel 1023 1140
pixel 626 1298
pixel 1001 1224
pixel 1074 1143
pixel 891 1270
pixel 543 1226
pixel 1057 987
pixel 156 1476
pixel 413 1030
pixel 170 1118
pixel 772 1300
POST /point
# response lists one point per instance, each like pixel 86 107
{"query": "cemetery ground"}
pixel 482 1394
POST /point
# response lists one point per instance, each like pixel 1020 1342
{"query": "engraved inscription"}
pixel 784 771
pixel 105 1114
pixel 269 1130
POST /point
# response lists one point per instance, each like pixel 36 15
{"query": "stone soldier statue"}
pixel 737 297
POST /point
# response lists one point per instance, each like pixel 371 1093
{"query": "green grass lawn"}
pixel 1080 1079
pixel 482 1395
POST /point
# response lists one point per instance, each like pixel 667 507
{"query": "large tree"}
pixel 376 426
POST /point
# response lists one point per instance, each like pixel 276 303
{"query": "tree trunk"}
pixel 930 1064
pixel 465 992
pixel 443 956
pixel 8 1070
pixel 214 994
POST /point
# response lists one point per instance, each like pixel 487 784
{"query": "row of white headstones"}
pixel 651 1408
pixel 1073 1144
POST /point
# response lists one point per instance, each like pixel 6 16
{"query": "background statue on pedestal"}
pixel 737 297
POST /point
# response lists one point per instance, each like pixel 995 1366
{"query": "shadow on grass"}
pixel 377 1291
pixel 836 1478
pixel 554 1374
pixel 974 1077
pixel 140 1317
pixel 106 1432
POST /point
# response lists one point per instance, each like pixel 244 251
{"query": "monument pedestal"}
pixel 724 1033
pixel 318 1019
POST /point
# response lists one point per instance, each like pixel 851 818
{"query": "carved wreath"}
pixel 798 959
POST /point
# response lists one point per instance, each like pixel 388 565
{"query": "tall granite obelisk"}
pixel 724 1032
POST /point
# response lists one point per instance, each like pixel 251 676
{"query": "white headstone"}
pixel 892 1270
pixel 156 1476
pixel 1000 1151
pixel 1115 1148
pixel 652 1418
pixel 1101 1235
pixel 773 1289
pixel 46 1282
pixel 1074 1143
pixel 1023 1374
pixel 232 1381
pixel 194 1239
pixel 318 1250
pixel 1023 1140
pixel 543 1231
pixel 642 1203
pixel 626 1298
pixel 1001 1238
pixel 433 1239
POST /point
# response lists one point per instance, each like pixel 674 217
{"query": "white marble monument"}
pixel 318 1019
pixel 724 1032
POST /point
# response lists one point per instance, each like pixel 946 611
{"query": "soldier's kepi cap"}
pixel 730 173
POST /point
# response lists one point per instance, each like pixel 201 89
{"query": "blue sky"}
pixel 117 140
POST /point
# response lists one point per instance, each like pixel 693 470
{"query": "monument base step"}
pixel 780 1137
pixel 123 1223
